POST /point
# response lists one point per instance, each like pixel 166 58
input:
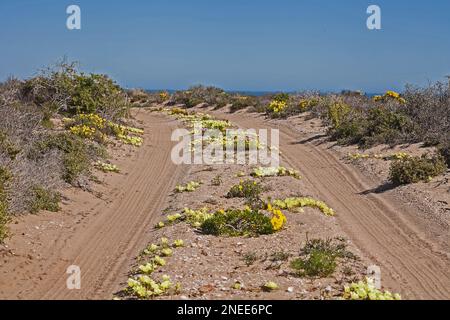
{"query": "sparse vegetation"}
pixel 415 169
pixel 366 290
pixel 216 181
pixel 189 187
pixel 200 94
pixel 74 92
pixel 236 223
pixel 5 176
pixel 248 189
pixel 250 258
pixel 44 200
pixel 318 257
pixel 53 127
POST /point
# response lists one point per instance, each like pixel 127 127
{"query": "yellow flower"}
pixel 277 106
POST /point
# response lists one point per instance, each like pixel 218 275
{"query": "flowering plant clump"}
pixel 178 243
pixel 164 96
pixel 394 156
pixel 132 140
pixel 278 218
pixel 189 187
pixel 262 172
pixel 178 111
pixel 293 203
pixel 397 156
pixel 145 287
pixel 142 285
pixel 277 106
pixel 93 126
pixel 390 95
pixel 366 290
pixel 235 223
pixel 170 219
pixel 106 167
pixel 83 131
pixel 270 286
pixel 197 217
pixel 246 189
pixel 308 104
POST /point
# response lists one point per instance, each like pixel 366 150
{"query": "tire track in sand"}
pixel 115 233
pixel 387 231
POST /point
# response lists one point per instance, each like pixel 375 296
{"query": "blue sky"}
pixel 235 44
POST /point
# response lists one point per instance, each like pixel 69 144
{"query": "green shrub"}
pixel 415 169
pixel 236 223
pixel 250 258
pixel 4 218
pixel 444 150
pixel 200 94
pixel 75 92
pixel 8 147
pixel 44 199
pixel 318 257
pixel 217 181
pixel 337 113
pixel 241 102
pixel 281 97
pixel 317 264
pixel 77 153
pixel 248 189
pixel 385 126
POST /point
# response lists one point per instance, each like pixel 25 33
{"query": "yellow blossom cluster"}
pixel 277 106
pixel 390 95
pixel 164 96
pixel 307 104
pixel 106 167
pixel 262 172
pixel 142 285
pixel 366 290
pixel 278 220
pixel 293 203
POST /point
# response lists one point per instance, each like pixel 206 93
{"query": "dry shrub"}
pixel 196 95
pixel 69 91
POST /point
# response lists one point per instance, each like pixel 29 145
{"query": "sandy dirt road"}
pixel 111 234
pixel 389 232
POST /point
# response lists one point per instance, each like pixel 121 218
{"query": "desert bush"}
pixel 430 109
pixel 318 257
pixel 196 95
pixel 415 169
pixel 8 147
pixel 355 120
pixel 216 181
pixel 21 128
pixel 386 126
pixel 44 199
pixel 141 98
pixel 248 189
pixel 236 223
pixel 72 92
pixel 138 96
pixel 444 150
pixel 239 102
pixel 281 97
pixel 318 263
pixel 5 176
pixel 76 153
pixel 249 258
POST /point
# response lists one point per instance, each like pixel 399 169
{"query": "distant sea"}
pixel 254 93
